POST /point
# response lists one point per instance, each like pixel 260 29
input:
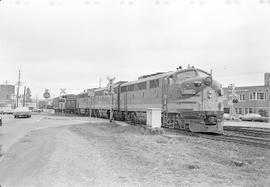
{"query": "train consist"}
pixel 190 99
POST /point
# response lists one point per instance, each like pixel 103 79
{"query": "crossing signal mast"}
pixel 110 89
pixel 62 99
pixel 233 99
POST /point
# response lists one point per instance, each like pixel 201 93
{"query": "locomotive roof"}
pixel 148 78
pixel 158 76
pixel 162 75
pixel 105 88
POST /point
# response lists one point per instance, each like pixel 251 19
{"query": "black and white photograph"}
pixel 134 93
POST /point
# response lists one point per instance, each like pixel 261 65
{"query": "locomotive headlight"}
pixel 208 81
pixel 209 94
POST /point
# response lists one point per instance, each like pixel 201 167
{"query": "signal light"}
pixel 235 100
pixel 209 94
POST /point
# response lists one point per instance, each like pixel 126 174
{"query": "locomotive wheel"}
pixel 133 118
pixel 187 127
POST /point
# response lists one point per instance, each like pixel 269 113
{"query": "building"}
pixel 7 93
pixel 248 99
pixel 267 79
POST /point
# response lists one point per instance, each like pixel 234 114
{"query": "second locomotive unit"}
pixel 190 99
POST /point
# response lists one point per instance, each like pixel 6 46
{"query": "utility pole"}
pixel 36 102
pixel 24 96
pixel 267 102
pixel 18 89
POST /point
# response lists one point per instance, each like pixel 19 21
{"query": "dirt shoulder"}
pixel 185 161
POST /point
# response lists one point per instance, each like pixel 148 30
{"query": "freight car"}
pixel 66 103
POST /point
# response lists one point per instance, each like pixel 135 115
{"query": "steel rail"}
pixel 258 142
pixel 240 139
pixel 249 131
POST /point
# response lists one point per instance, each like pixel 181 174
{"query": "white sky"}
pixel 71 44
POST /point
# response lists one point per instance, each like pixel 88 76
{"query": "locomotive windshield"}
pixel 202 73
pixel 186 75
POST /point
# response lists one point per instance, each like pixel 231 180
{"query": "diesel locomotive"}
pixel 190 99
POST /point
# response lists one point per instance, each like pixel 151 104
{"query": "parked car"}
pixel 6 110
pixel 22 112
pixel 37 110
pixel 254 117
pixel 227 116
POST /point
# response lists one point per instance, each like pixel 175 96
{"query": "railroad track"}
pixel 240 139
pixel 257 142
pixel 249 131
pixel 247 140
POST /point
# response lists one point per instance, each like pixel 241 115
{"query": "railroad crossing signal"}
pixel 63 91
pixel 110 85
pixel 111 92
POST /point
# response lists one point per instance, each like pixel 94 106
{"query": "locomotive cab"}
pixel 196 99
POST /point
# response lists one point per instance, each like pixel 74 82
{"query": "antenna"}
pixel 99 82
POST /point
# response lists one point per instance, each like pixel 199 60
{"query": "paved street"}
pixel 74 151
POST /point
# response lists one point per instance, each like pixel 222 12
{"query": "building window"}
pixel 240 111
pixel 250 110
pixel 252 96
pixel 261 95
pixel 257 96
pixel 242 97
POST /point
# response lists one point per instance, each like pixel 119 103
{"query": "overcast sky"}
pixel 71 44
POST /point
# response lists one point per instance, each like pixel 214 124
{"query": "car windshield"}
pixel 22 109
pixel 254 115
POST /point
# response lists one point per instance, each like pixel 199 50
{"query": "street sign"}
pixel 46 94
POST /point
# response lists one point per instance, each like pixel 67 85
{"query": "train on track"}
pixel 189 99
